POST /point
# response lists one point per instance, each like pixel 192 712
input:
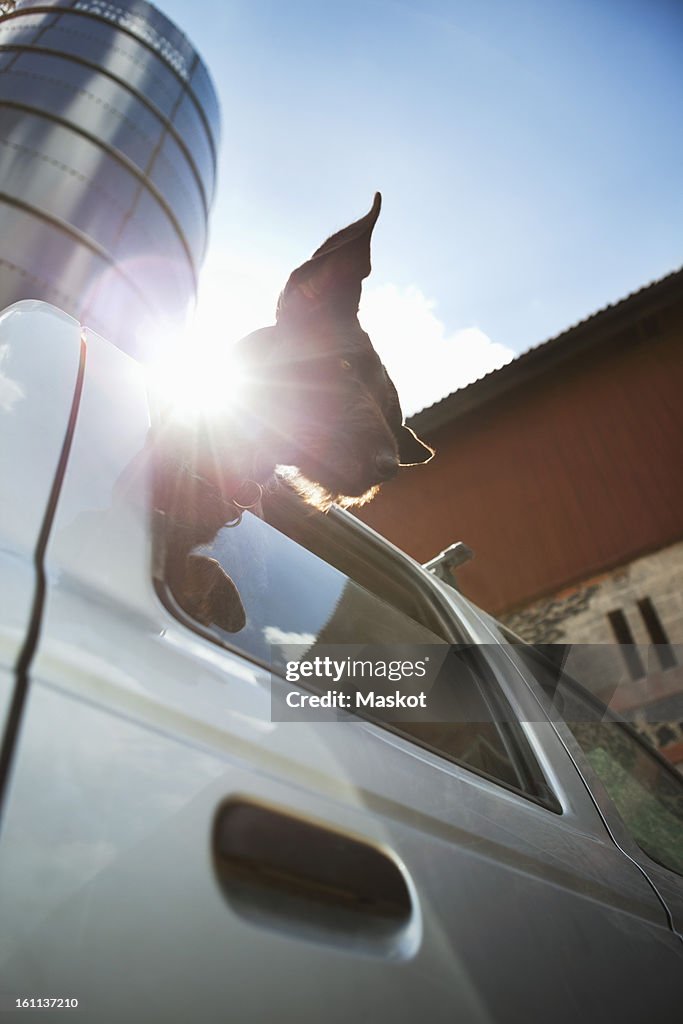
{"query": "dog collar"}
pixel 248 496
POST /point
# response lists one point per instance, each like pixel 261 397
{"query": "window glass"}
pixel 646 791
pixel 94 103
pixel 288 593
pixel 154 232
pixel 201 86
pixel 171 175
pixel 116 52
pixel 647 794
pixel 192 130
pixel 312 580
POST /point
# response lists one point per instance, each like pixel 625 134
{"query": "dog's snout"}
pixel 386 464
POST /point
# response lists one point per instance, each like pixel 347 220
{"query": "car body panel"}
pixel 40 351
pixel 138 729
pixel 667 883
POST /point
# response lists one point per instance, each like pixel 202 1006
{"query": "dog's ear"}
pixel 334 273
pixel 411 450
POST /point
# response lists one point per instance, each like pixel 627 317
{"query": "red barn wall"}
pixel 562 477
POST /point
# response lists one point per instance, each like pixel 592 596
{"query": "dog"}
pixel 320 401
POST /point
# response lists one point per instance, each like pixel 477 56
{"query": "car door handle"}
pixel 281 870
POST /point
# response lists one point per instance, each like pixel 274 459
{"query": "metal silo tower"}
pixel 108 135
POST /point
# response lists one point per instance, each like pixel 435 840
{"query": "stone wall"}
pixel 637 609
pixel 580 614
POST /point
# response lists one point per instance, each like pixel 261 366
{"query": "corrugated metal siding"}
pixel 563 478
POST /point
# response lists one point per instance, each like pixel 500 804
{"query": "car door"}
pixel 639 794
pixel 40 354
pixel 171 851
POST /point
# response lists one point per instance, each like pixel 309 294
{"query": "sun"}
pixel 196 370
pixel 197 375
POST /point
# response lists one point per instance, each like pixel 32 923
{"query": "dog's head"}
pixel 333 409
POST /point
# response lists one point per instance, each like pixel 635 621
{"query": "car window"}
pixel 291 595
pixel 646 790
pixel 647 794
pixel 311 580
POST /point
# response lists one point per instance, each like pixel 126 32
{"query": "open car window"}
pixel 314 581
pixel 309 578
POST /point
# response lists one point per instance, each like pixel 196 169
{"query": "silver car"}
pixel 171 851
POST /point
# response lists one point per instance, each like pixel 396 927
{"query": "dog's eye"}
pixel 345 364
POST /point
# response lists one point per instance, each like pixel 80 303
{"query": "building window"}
pixel 623 635
pixel 657 633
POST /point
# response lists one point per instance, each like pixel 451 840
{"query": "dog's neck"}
pixel 228 453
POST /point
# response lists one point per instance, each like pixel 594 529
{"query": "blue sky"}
pixel 530 155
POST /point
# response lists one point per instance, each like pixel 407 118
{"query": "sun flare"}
pixel 198 371
pixel 195 378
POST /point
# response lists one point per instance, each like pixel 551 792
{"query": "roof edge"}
pixel 598 328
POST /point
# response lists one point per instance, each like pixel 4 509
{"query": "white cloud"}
pixel 279 637
pixel 425 362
